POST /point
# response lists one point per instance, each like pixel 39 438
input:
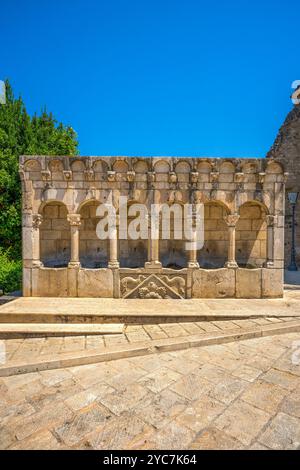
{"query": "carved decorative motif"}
pixel 111 176
pixel 89 175
pixel 37 219
pixel 74 219
pixel 46 175
pixel 271 220
pixel 130 176
pixel 153 286
pixel 172 177
pixel 231 219
pixel 67 175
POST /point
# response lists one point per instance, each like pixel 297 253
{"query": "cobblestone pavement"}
pixel 24 349
pixel 240 395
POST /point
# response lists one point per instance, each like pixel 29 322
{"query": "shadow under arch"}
pixel 251 235
pixel 55 236
pixel 132 253
pixel 93 251
pixel 214 253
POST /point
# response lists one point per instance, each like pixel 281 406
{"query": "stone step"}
pixel 57 361
pixel 61 328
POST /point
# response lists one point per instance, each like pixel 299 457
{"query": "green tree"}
pixel 21 134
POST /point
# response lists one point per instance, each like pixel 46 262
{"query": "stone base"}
pixel 153 282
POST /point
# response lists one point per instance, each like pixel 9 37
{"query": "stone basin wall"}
pixel 243 252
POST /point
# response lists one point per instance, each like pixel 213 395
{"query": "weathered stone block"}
pixel 248 283
pixel 214 283
pixel 272 282
pixel 95 283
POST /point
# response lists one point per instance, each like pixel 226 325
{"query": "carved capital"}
pixel 151 176
pixel 111 176
pixel 37 219
pixel 89 175
pixel 261 177
pixel 67 175
pixel 74 219
pixel 239 177
pixel 271 220
pixel 231 219
pixel 214 176
pixel 130 176
pixel 285 176
pixel 172 177
pixel 46 175
pixel 194 175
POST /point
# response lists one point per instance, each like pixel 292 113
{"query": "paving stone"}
pixel 51 415
pixel 155 332
pixel 192 328
pixel 291 403
pixel 179 364
pixel 7 437
pixel 283 433
pixel 242 421
pixel 160 379
pixel 91 374
pixel 246 372
pixel 137 337
pixel 88 420
pixel 126 399
pixel 258 446
pixel 284 379
pixel 191 386
pixel 228 389
pixel 173 330
pixel 88 396
pixel 126 432
pixel 43 440
pixel 226 325
pixel 171 436
pixel 161 408
pixel 58 392
pixel 200 413
pixel 214 439
pixel 15 412
pixel 53 377
pixel 264 395
pixel 212 373
pixel 207 326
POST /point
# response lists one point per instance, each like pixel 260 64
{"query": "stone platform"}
pixel 91 310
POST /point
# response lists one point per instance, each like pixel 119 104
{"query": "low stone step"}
pixel 61 328
pixel 57 361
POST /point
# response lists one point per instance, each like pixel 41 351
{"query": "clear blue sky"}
pixel 156 77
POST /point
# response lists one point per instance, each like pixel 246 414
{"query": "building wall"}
pixel 286 149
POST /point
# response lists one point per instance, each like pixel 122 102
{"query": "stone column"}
pixel 231 221
pixel 192 252
pixel 113 262
pixel 271 221
pixel 74 220
pixel 36 222
pixel 153 245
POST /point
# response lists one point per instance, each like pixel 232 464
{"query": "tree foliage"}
pixel 22 134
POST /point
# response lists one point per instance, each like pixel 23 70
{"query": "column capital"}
pixel 271 220
pixel 231 219
pixel 74 219
pixel 37 219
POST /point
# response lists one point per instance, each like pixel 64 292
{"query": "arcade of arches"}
pixel 242 255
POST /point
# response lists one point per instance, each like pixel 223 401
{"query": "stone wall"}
pixel 286 149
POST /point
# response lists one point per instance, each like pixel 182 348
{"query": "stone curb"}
pixel 142 349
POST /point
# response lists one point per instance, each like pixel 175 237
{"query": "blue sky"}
pixel 156 77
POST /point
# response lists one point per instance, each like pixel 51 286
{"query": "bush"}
pixel 10 273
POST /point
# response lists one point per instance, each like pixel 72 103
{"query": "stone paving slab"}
pixel 78 310
pixel 198 398
pixel 32 355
